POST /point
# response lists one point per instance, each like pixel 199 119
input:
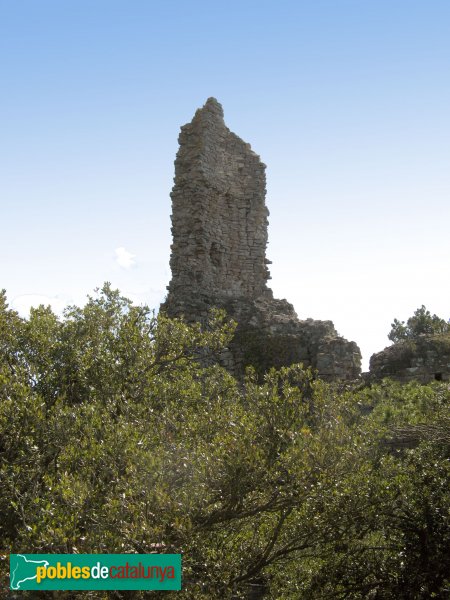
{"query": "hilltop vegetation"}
pixel 120 432
pixel 421 323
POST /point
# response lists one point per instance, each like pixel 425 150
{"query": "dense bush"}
pixel 119 432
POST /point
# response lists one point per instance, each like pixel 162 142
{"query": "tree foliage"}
pixel 421 323
pixel 120 432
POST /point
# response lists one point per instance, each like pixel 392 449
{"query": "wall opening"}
pixel 438 376
pixel 215 255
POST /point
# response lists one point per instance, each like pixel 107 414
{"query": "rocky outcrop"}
pixel 218 255
pixel 424 359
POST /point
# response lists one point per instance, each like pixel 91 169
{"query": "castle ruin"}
pixel 425 358
pixel 218 255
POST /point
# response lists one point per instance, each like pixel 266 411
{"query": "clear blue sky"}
pixel 347 102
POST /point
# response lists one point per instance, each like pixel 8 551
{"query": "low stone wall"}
pixel 424 359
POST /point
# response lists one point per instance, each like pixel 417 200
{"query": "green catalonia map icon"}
pixel 23 569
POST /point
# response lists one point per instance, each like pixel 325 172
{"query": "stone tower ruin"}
pixel 218 255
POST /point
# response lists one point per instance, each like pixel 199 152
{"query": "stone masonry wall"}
pixel 425 359
pixel 219 217
pixel 218 255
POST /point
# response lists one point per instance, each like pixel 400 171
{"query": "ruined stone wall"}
pixel 424 359
pixel 219 228
pixel 219 217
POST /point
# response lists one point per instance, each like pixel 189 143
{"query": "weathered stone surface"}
pixel 218 258
pixel 424 359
